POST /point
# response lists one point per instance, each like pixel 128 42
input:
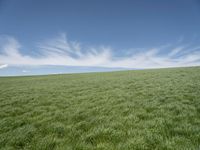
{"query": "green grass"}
pixel 144 109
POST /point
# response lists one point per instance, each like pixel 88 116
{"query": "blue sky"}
pixel 66 36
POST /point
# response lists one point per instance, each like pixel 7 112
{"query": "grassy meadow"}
pixel 126 110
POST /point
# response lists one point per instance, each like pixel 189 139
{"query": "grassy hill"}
pixel 144 109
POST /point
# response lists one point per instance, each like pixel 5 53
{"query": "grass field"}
pixel 144 109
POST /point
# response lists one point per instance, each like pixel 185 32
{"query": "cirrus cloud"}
pixel 3 66
pixel 61 51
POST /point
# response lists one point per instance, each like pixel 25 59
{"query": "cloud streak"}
pixel 61 51
pixel 3 66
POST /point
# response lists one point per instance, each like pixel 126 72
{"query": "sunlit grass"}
pixel 147 109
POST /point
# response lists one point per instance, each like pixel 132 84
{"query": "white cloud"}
pixel 60 51
pixel 176 51
pixel 3 66
pixel 25 71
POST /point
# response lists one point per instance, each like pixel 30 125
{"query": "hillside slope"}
pixel 146 109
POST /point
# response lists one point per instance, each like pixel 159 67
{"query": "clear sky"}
pixel 54 36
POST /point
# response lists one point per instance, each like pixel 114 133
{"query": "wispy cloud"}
pixel 61 51
pixel 176 51
pixel 3 66
pixel 25 71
